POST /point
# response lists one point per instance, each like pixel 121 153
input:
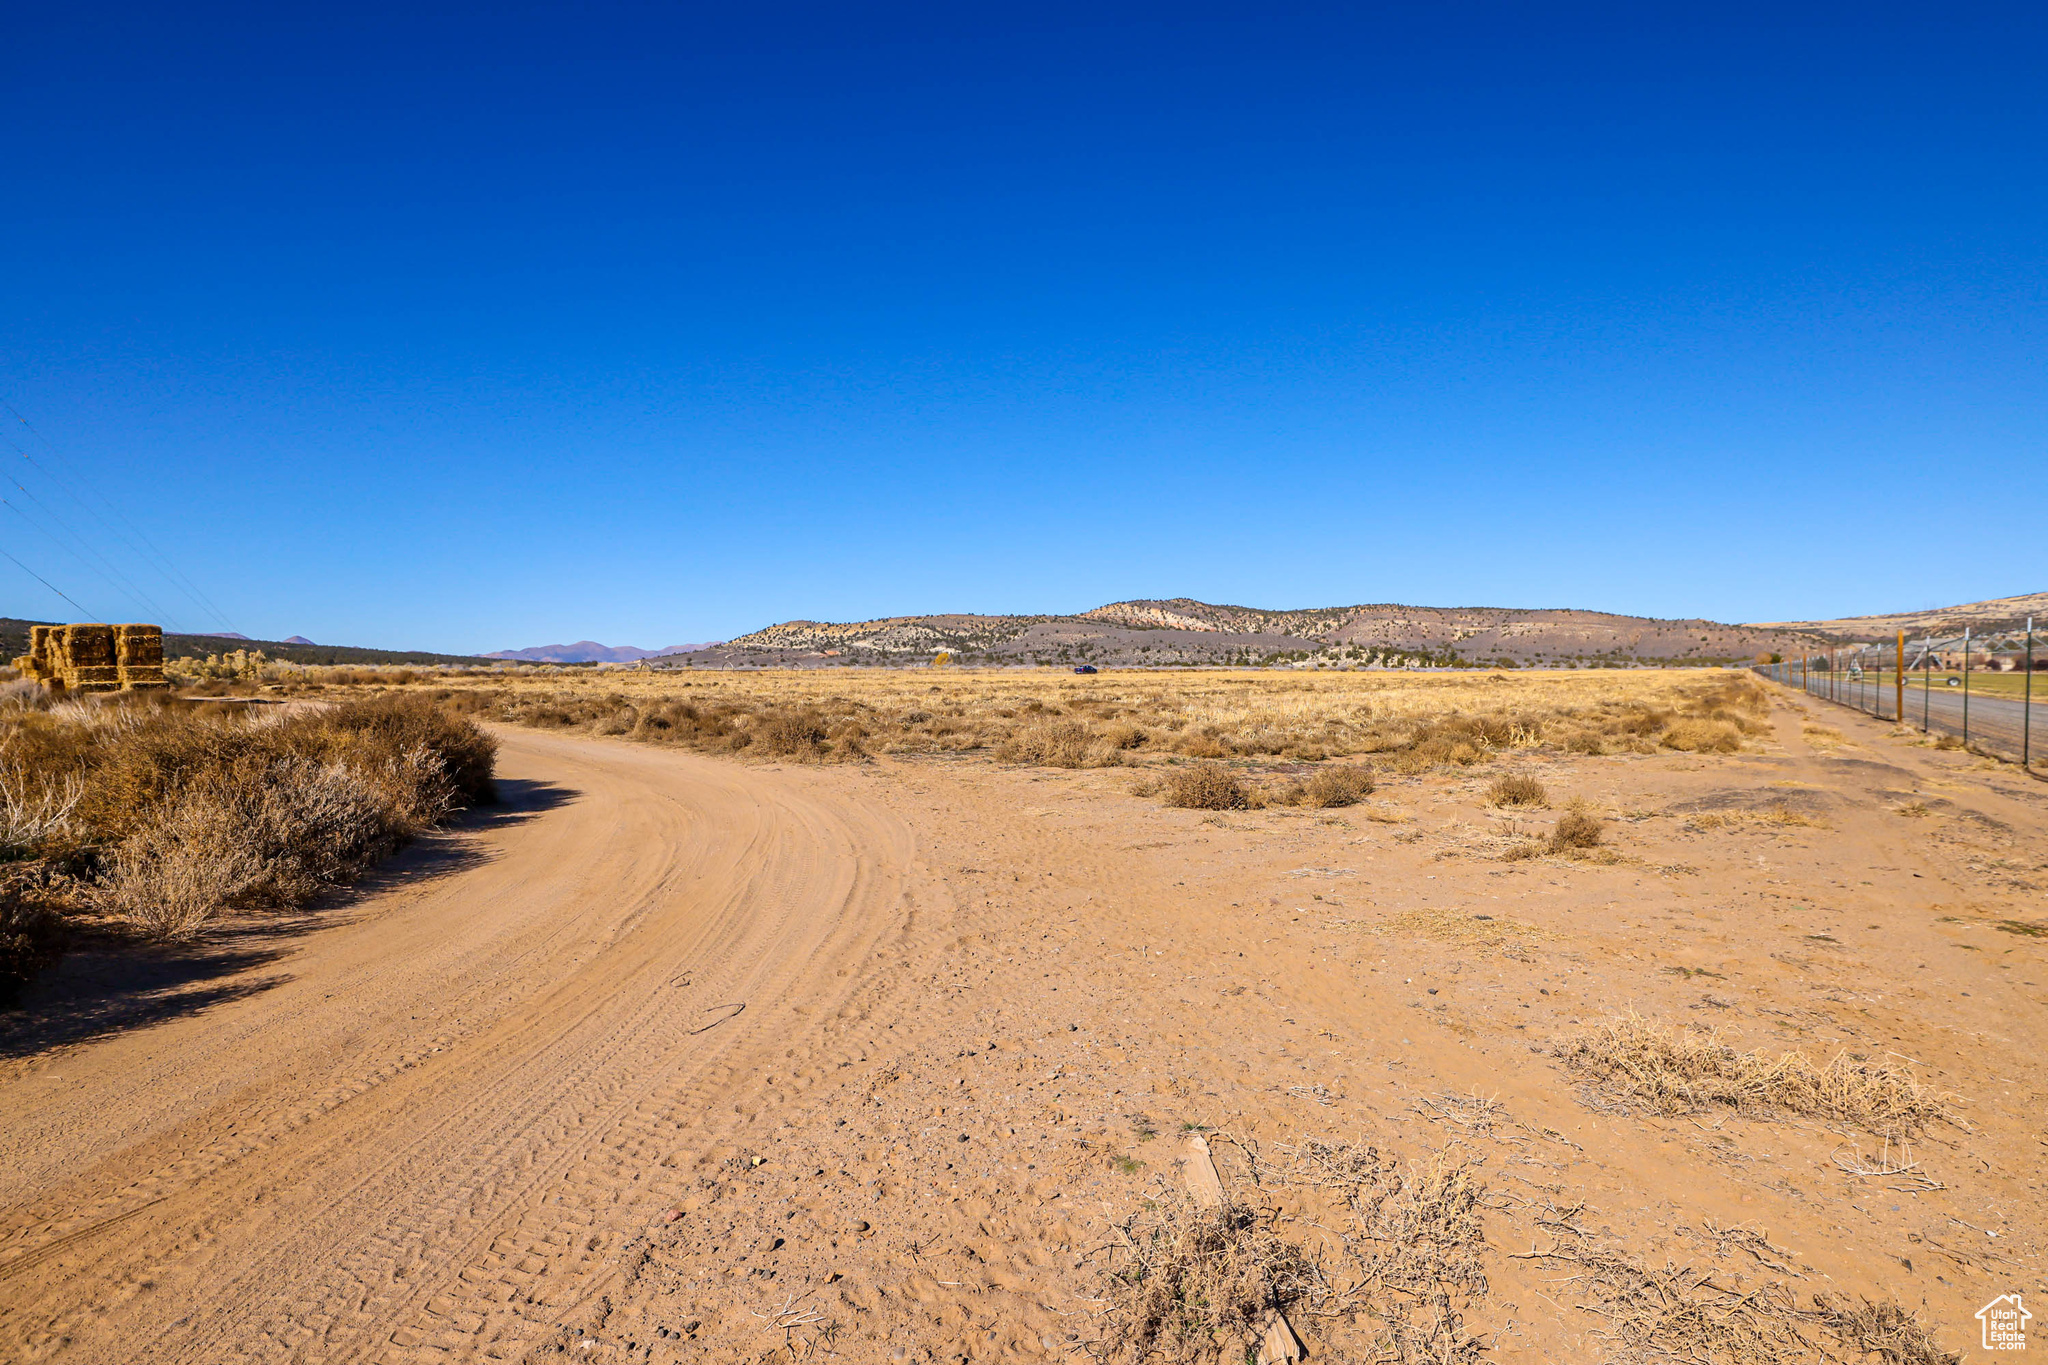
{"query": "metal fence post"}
pixel 1966 687
pixel 2027 706
pixel 1926 680
pixel 1899 682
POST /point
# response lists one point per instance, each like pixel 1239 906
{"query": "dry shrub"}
pixel 1205 786
pixel 790 736
pixel 1202 745
pixel 275 837
pixel 1439 750
pixel 1702 1314
pixel 1584 742
pixel 1685 1312
pixel 1341 785
pixel 1703 737
pixel 172 814
pixel 1575 830
pixel 1411 1255
pixel 425 760
pixel 1401 1245
pixel 1063 744
pixel 1344 785
pixel 1629 1060
pixel 1124 735
pixel 1882 1329
pixel 1639 720
pixel 1516 789
pixel 1823 735
pixel 1193 1277
pixel 32 928
pixel 36 815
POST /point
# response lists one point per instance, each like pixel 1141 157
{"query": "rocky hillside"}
pixel 1994 614
pixel 1181 631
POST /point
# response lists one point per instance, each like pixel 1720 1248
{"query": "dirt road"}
pixel 453 1097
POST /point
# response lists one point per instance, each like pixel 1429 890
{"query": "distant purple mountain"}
pixel 589 651
pixel 295 640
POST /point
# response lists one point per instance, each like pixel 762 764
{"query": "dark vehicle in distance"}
pixel 1085 668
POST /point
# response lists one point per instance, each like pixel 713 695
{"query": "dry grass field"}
pixel 976 1016
pixel 1410 721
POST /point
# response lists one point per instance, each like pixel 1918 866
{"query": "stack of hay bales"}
pixel 89 652
pixel 36 663
pixel 95 658
pixel 139 653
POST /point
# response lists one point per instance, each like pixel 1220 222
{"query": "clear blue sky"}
pixel 425 326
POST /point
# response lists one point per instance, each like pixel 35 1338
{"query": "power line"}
pixel 83 549
pixel 137 540
pixel 52 587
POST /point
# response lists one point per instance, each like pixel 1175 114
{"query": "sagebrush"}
pixel 158 815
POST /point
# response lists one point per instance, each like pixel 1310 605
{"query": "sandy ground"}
pixel 508 1105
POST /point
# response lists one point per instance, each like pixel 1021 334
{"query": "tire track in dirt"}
pixel 446 1200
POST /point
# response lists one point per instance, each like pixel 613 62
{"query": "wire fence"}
pixel 1978 688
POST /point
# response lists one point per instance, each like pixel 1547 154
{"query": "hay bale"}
pixel 139 644
pixel 36 663
pixel 93 678
pixel 140 649
pixel 90 646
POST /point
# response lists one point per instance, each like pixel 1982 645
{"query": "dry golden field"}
pixel 1060 719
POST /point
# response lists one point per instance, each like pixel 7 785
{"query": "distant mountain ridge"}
pixel 1183 631
pixel 1995 613
pixel 589 652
